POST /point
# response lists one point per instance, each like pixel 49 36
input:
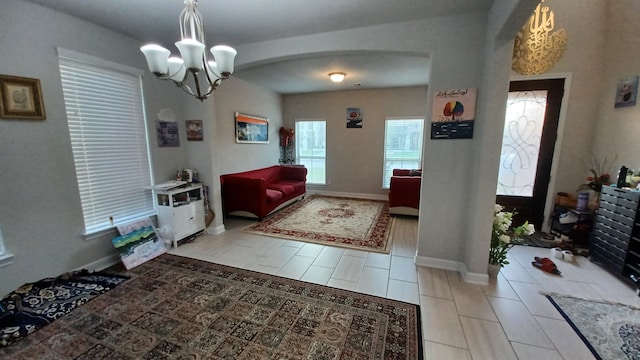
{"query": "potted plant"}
pixel 600 171
pixel 504 237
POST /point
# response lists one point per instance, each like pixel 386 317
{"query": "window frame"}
pixel 5 257
pixel 386 175
pixel 297 149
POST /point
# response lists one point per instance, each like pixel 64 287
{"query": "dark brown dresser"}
pixel 615 242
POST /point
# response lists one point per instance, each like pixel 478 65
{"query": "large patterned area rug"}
pixel 610 330
pixel 346 222
pixel 180 308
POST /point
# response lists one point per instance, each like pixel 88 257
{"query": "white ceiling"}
pixel 242 22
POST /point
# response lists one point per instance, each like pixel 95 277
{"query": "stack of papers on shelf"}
pixel 169 185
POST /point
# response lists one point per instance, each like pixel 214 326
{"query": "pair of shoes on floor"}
pixel 565 255
pixel 546 265
pixel 568 218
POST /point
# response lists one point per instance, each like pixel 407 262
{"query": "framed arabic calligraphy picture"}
pixel 453 114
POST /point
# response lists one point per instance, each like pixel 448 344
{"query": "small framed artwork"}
pixel 626 92
pixel 194 130
pixel 21 98
pixel 453 114
pixel 354 118
pixel 251 129
pixel 168 135
pixel 138 243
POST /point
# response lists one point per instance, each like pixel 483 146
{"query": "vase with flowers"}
pixel 286 145
pixel 596 181
pixel 599 169
pixel 504 236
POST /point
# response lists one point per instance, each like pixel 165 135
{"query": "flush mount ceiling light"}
pixel 337 76
pixel 194 57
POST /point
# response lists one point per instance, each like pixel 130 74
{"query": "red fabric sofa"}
pixel 258 193
pixel 404 192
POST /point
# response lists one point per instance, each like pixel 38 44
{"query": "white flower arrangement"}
pixel 504 237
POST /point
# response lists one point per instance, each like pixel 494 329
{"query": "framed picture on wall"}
pixel 354 118
pixel 194 130
pixel 627 92
pixel 167 132
pixel 21 98
pixel 251 129
pixel 453 114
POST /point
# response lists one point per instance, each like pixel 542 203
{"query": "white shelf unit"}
pixel 182 211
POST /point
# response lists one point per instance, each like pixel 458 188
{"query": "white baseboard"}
pixel 102 263
pixel 215 230
pixel 438 263
pixel 472 278
pixel 346 194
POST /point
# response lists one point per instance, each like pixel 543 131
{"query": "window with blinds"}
pixel 5 258
pixel 105 113
pixel 402 146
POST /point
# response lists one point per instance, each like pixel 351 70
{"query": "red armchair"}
pixel 404 192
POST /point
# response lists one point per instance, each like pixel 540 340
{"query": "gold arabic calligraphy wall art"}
pixel 537 47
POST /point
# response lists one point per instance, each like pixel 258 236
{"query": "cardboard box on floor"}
pixel 566 199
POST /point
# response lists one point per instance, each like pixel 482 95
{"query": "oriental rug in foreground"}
pixel 181 308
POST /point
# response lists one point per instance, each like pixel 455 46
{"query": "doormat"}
pixel 361 224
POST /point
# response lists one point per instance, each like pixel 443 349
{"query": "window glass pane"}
pixel 311 149
pixel 2 252
pixel 402 146
pixel 107 127
pixel 521 142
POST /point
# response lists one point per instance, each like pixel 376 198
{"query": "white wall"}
pixel 40 212
pixel 227 155
pixel 244 97
pixel 583 60
pixel 354 156
pixel 617 130
pixel 483 179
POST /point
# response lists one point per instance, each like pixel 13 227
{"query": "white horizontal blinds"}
pixel 402 146
pixel 109 140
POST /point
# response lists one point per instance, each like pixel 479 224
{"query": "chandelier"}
pixel 194 57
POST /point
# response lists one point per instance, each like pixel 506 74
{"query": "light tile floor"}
pixel 508 319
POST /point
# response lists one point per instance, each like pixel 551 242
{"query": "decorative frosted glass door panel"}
pixel 529 137
pixel 521 142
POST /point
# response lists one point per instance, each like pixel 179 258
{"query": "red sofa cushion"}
pixel 273 195
pixel 281 187
pixel 297 185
